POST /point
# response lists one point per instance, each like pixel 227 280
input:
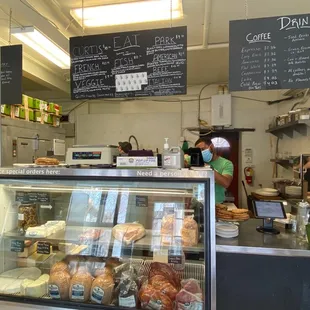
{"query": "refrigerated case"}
pixel 108 239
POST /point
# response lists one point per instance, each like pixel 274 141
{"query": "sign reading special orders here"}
pixel 269 53
pixel 129 64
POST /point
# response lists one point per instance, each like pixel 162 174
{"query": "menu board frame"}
pixel 269 53
pixel 129 64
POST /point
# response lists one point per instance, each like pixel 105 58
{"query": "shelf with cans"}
pixel 34 110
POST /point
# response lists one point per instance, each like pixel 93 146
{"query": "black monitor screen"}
pixel 269 209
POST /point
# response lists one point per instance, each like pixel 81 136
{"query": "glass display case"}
pixel 108 239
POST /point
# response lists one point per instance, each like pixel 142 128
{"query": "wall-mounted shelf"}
pixel 284 162
pixel 300 126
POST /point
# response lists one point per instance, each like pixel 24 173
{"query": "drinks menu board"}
pixel 129 64
pixel 269 53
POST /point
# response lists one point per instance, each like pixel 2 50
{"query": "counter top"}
pixel 252 242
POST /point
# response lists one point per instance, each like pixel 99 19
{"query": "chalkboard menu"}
pixel 269 53
pixel 11 74
pixel 129 64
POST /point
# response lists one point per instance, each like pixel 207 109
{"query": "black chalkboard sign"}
pixel 11 74
pixel 17 246
pixel 142 201
pixel 32 197
pixel 44 247
pixel 269 53
pixel 129 64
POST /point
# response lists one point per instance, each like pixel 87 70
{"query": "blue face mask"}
pixel 207 155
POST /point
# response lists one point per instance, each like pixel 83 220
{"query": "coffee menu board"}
pixel 129 64
pixel 11 74
pixel 269 53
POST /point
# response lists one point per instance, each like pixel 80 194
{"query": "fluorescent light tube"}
pixel 43 45
pixel 128 13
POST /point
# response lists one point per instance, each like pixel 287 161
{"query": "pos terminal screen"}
pixel 269 209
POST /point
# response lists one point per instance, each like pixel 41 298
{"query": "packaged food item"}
pixel 75 262
pixel 166 271
pixel 80 286
pixel 113 262
pixel 129 232
pixel 127 290
pixel 36 232
pixel 59 267
pixel 153 299
pixel 164 286
pixel 103 271
pixel 59 285
pixel 192 286
pixel 27 217
pixel 102 289
pixel 189 231
pixel 90 235
pixel 190 297
pixel 188 301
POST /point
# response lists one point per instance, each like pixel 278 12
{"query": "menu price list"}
pixel 270 53
pixel 130 64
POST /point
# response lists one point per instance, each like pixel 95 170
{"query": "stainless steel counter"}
pixel 252 242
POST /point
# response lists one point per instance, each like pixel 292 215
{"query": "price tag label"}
pixel 174 257
pixel 44 247
pixel 161 256
pixel 17 246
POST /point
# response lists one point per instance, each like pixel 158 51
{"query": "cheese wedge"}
pixel 37 288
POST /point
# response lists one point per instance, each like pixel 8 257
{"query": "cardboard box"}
pixel 6 109
pixel 28 102
pixel 56 121
pixel 19 112
pixel 54 108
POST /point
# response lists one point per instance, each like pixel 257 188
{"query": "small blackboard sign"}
pixel 44 247
pixel 269 53
pixel 17 246
pixel 129 64
pixel 11 74
pixel 142 201
pixel 32 197
pixel 174 257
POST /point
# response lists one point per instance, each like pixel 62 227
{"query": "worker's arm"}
pixel 223 180
pixel 226 177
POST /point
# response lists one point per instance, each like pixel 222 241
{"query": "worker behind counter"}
pixel 124 148
pixel 223 168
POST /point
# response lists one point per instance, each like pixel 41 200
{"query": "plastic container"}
pixel 173 158
pixel 27 217
pixel 302 219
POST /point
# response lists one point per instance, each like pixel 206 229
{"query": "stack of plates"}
pixel 294 191
pixel 226 230
pixel 267 192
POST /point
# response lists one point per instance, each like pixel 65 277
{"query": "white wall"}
pixel 151 121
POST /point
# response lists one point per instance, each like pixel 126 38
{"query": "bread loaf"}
pixel 189 232
pixel 59 267
pixel 46 161
pixel 58 285
pixel 102 289
pixel 128 232
pixel 80 286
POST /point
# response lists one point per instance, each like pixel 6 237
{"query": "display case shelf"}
pixel 71 235
pixel 300 126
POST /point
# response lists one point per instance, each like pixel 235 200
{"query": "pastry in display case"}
pixel 110 239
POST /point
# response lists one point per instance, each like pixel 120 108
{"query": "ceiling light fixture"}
pixel 43 45
pixel 128 13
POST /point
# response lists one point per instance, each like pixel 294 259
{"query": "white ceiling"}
pixel 207 22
